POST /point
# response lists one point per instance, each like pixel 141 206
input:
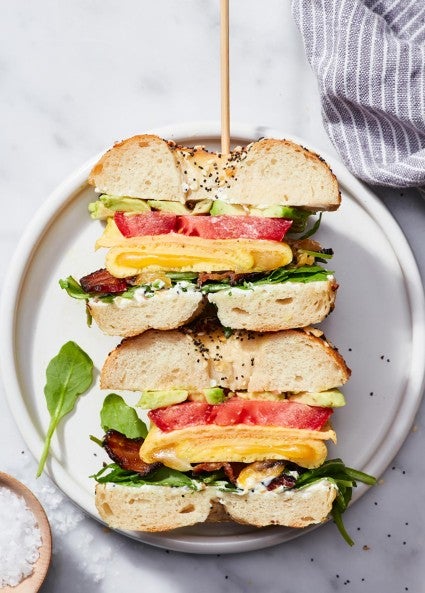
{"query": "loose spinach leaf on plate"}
pixel 68 375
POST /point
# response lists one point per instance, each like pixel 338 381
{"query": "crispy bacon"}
pixel 102 281
pixel 284 480
pixel 125 452
pixel 231 469
pixel 232 277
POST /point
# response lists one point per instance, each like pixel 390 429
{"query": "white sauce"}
pixel 141 294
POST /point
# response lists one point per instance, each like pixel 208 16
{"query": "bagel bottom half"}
pixel 163 508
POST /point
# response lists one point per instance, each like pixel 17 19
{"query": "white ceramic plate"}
pixel 378 325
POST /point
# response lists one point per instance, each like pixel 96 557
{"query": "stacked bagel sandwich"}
pixel 186 228
pixel 213 279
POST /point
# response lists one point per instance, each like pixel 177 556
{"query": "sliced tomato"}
pixel 239 411
pixel 151 223
pixel 207 227
pixel 233 227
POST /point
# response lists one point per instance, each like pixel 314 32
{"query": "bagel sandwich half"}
pixel 185 227
pixel 238 427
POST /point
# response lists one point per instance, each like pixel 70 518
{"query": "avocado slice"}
pixel 214 395
pixel 333 398
pixel 202 207
pixel 173 207
pixel 98 210
pixel 124 203
pixel 219 207
pixel 106 205
pixel 274 211
pixel 297 215
pixel 150 400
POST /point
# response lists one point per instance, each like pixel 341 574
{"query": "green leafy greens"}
pixel 313 229
pixel 74 288
pixel 68 375
pixel 76 291
pixel 301 274
pixel 345 479
pixel 117 415
pixel 164 476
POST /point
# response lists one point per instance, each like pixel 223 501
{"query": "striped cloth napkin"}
pixel 369 59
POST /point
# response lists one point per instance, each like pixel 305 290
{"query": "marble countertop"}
pixel 77 76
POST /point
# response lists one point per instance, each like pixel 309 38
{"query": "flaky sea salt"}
pixel 68 525
pixel 20 539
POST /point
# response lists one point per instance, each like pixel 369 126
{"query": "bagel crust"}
pixel 285 361
pixel 149 167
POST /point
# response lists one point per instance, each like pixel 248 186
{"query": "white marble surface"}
pixel 77 76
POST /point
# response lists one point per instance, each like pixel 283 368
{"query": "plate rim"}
pixel 73 184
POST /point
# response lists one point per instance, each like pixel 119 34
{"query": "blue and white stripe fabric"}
pixel 369 59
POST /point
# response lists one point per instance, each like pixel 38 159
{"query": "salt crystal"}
pixel 95 554
pixel 20 539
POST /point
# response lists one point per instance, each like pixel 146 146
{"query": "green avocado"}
pixel 150 400
pixel 202 207
pixel 173 207
pixel 124 203
pixel 274 211
pixel 214 395
pixel 98 210
pixel 333 398
pixel 219 207
pixel 297 215
pixel 106 205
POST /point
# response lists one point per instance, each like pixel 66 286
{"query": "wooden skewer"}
pixel 224 71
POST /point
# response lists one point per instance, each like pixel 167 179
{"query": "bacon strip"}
pixel 125 452
pixel 232 277
pixel 102 281
pixel 284 480
pixel 231 469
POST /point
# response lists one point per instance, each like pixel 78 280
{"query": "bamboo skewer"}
pixel 224 76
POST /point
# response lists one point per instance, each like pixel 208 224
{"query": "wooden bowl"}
pixel 33 582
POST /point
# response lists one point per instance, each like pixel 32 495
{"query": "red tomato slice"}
pixel 207 227
pixel 239 411
pixel 233 227
pixel 151 223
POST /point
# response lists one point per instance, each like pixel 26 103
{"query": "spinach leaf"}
pixel 68 375
pixel 73 288
pixel 76 291
pixel 301 274
pixel 298 216
pixel 164 476
pixel 313 229
pixel 117 415
pixel 323 255
pixel 182 276
pixel 344 478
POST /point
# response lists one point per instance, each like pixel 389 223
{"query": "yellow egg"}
pixel 178 449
